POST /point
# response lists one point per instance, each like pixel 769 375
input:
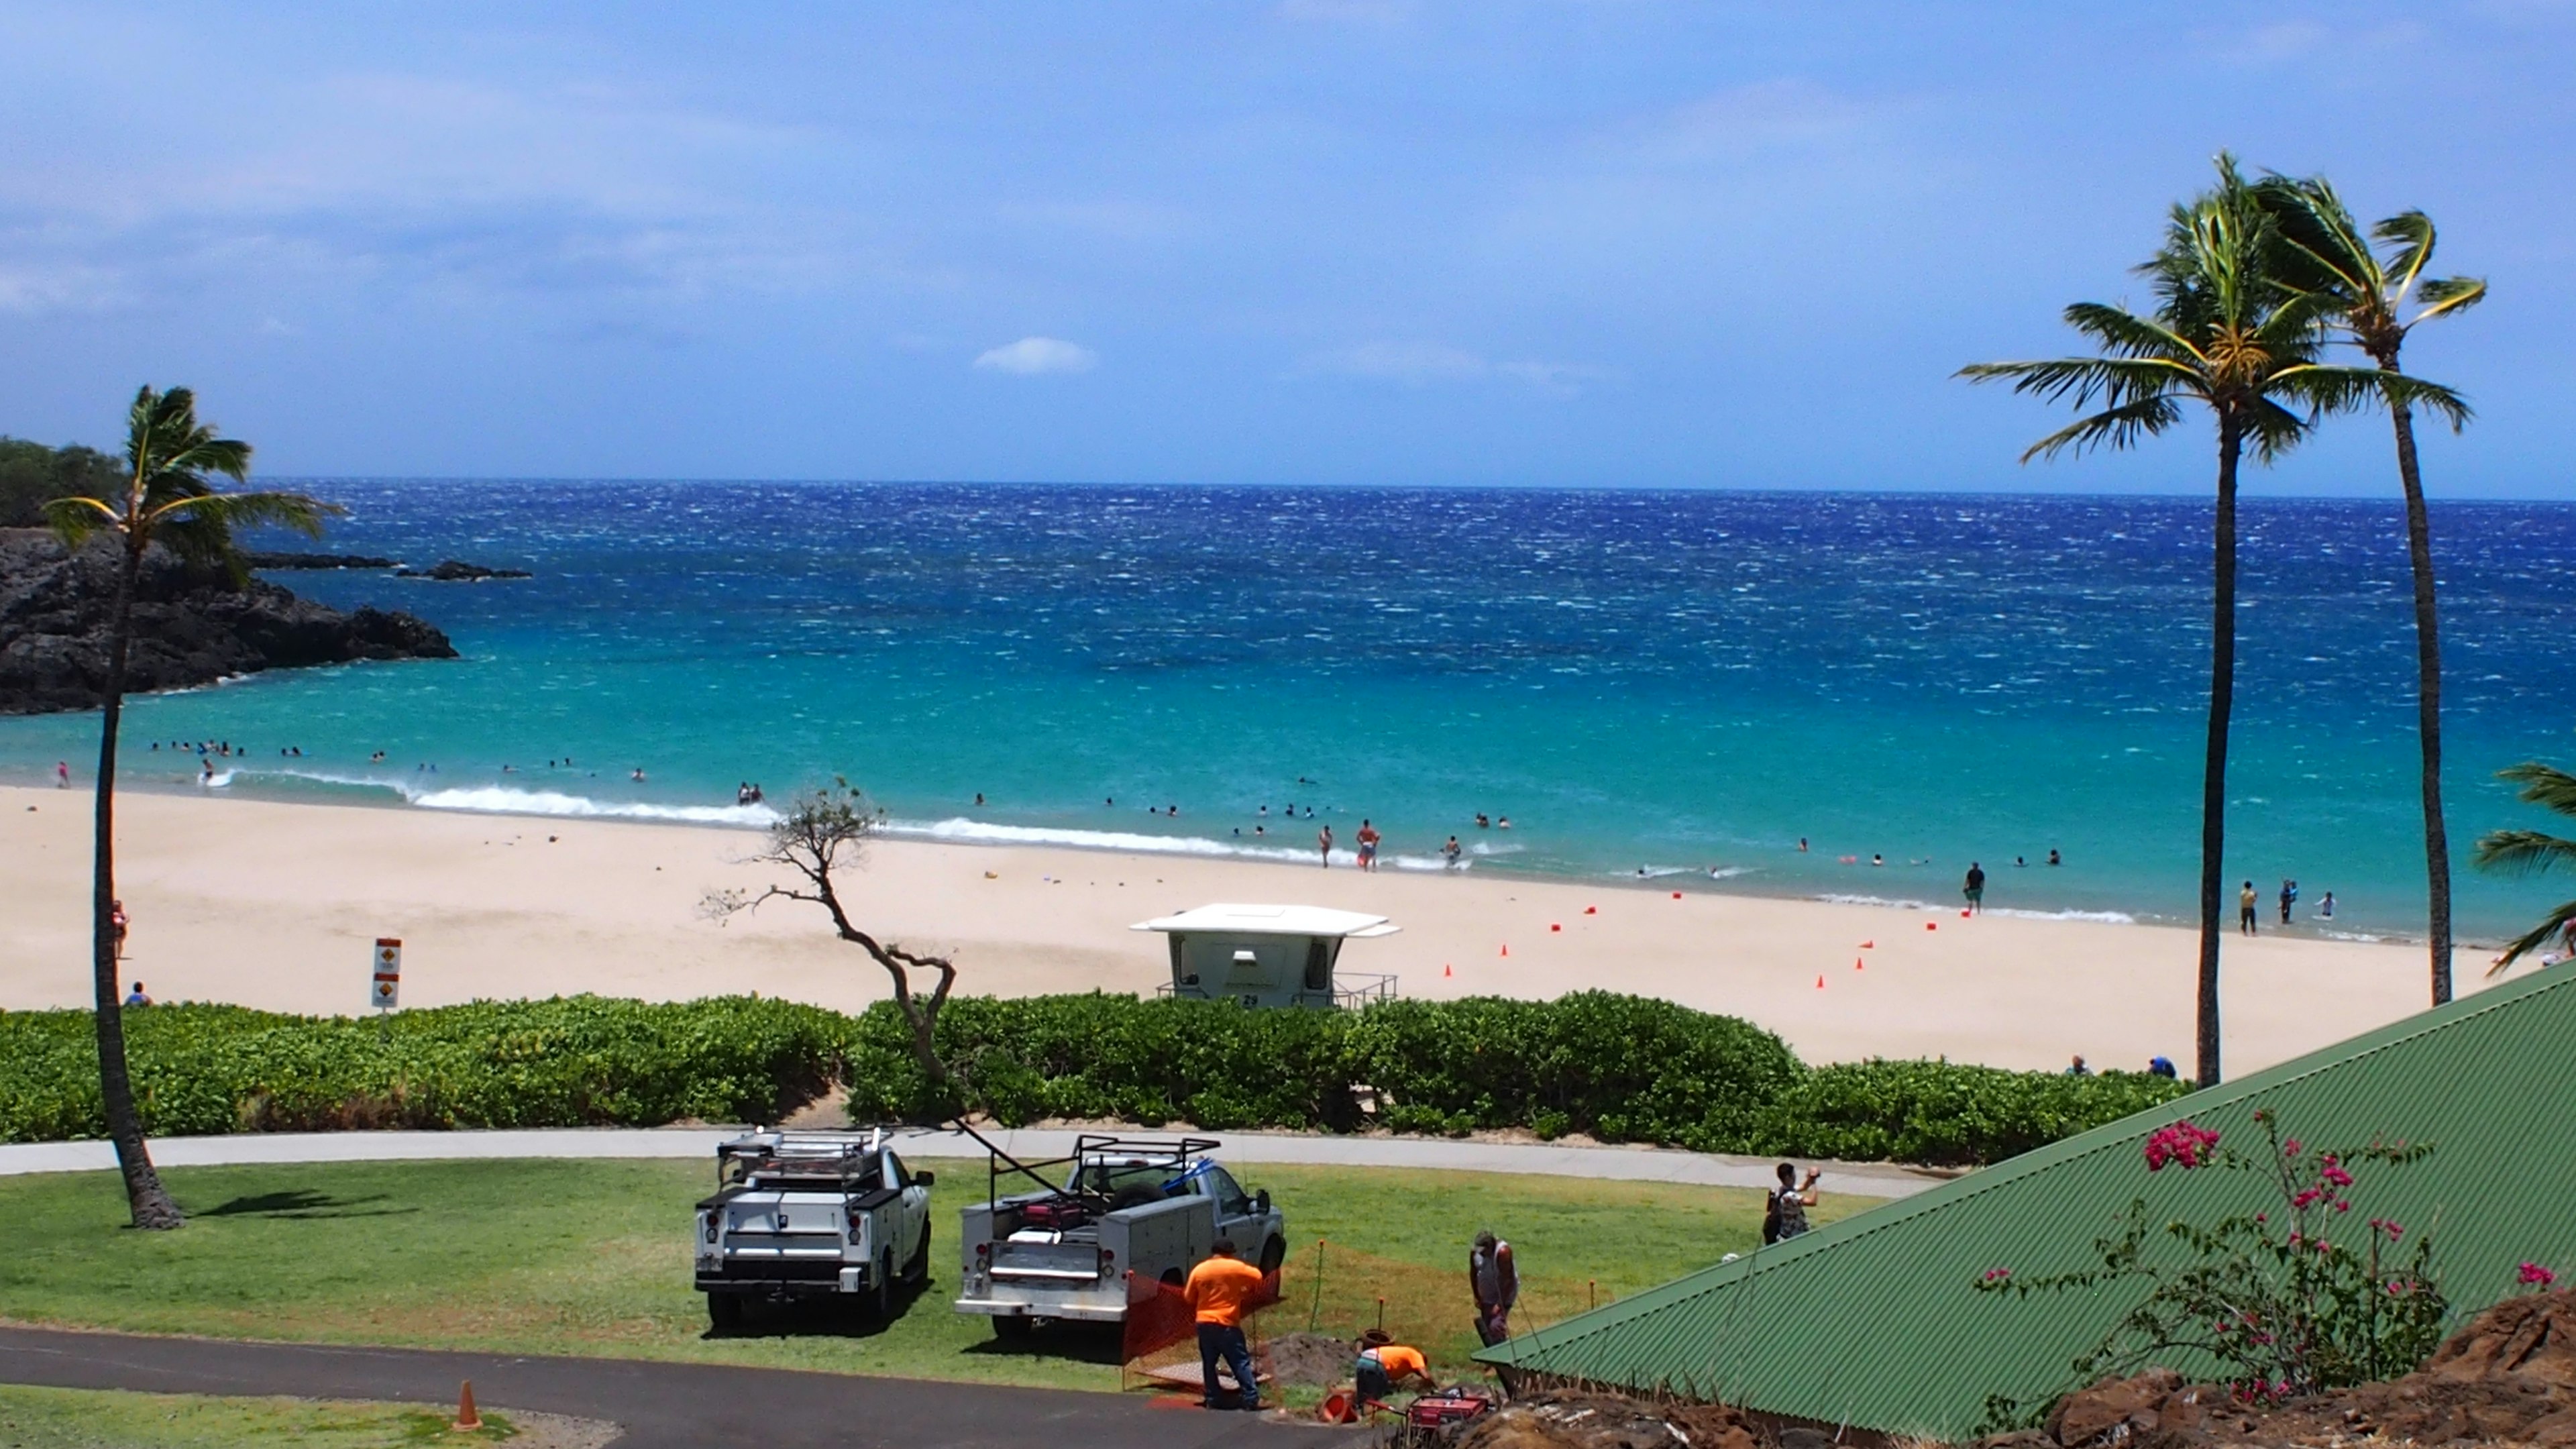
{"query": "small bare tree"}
pixel 825 831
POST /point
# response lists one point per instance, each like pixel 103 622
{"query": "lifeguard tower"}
pixel 1269 955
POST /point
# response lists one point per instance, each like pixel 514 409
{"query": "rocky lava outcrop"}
pixel 191 626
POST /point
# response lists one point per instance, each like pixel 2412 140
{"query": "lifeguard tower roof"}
pixel 1257 920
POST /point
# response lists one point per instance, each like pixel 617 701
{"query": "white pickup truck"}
pixel 811 1215
pixel 1148 1206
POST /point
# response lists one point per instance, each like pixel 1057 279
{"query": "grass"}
pixel 32 1418
pixel 592 1258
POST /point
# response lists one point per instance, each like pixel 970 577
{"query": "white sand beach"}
pixel 277 905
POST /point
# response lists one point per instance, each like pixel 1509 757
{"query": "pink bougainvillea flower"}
pixel 2343 1205
pixel 2290 1148
pixel 1997 1275
pixel 2537 1275
pixel 2184 1144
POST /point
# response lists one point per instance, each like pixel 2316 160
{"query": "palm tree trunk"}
pixel 2213 778
pixel 2428 702
pixel 145 1198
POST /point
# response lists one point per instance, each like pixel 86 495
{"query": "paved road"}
pixel 1635 1164
pixel 660 1405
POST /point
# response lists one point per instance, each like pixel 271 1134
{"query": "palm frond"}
pixel 2272 428
pixel 2323 250
pixel 2524 852
pixel 2544 785
pixel 2443 296
pixel 2554 924
pixel 2129 335
pixel 2411 233
pixel 2121 380
pixel 76 520
pixel 2113 428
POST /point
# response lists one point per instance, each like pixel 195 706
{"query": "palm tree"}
pixel 2324 252
pixel 2225 335
pixel 2530 852
pixel 164 497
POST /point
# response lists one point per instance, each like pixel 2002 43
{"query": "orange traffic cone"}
pixel 1507 948
pixel 467 1421
pixel 1591 910
pixel 1856 963
pixel 1869 945
pixel 1820 983
pixel 1931 925
pixel 1445 971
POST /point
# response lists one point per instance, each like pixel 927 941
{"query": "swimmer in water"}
pixel 639 774
pixel 1449 857
pixel 1802 845
pixel 1877 859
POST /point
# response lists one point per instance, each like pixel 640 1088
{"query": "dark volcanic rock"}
pixel 319 561
pixel 191 626
pixel 451 571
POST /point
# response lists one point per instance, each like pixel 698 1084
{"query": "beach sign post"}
pixel 386 990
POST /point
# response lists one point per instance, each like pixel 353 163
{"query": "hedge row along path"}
pixel 1546 1159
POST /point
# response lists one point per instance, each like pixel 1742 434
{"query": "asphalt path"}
pixel 1552 1159
pixel 659 1405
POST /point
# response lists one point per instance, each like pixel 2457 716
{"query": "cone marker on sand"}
pixel 1445 971
pixel 1554 927
pixel 1931 925
pixel 1507 948
pixel 1677 895
pixel 1820 983
pixel 1855 963
pixel 1591 910
pixel 1869 945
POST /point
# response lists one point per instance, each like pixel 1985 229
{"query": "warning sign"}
pixel 387 986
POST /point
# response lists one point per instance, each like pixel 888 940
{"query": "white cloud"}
pixel 1415 364
pixel 70 287
pixel 1031 356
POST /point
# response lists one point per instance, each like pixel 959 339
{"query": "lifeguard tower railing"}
pixel 1350 991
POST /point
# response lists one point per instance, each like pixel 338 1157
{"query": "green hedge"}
pixel 1619 1068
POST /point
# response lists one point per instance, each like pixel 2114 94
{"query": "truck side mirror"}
pixel 1261 1202
pixel 924 1179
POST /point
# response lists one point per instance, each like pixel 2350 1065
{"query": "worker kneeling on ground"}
pixel 1384 1364
pixel 1220 1291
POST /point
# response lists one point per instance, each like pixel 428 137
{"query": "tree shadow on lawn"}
pixel 302 1202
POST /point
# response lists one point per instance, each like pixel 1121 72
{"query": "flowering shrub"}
pixel 2532 1275
pixel 2285 1301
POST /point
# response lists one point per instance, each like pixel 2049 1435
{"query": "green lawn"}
pixel 87 1419
pixel 593 1258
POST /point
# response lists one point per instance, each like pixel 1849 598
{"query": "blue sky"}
pixel 1615 242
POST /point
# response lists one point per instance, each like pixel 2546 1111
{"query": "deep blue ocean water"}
pixel 1680 682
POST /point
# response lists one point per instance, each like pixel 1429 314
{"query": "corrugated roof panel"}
pixel 1872 1322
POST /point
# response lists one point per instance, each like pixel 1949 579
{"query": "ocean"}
pixel 1671 686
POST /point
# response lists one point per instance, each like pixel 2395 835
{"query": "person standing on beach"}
pixel 1449 856
pixel 62 774
pixel 2289 898
pixel 1975 889
pixel 2245 899
pixel 1368 839
pixel 1324 845
pixel 119 923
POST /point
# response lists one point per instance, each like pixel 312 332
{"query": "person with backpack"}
pixel 1784 1212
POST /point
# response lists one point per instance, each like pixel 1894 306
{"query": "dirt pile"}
pixel 1603 1421
pixel 1314 1360
pixel 2509 1377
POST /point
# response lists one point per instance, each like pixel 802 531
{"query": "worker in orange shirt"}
pixel 1220 1291
pixel 1384 1365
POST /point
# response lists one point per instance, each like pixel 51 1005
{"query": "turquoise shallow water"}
pixel 1679 683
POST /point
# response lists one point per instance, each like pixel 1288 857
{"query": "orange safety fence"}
pixel 1160 1342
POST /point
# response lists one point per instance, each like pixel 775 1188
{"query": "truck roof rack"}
pixel 1176 1150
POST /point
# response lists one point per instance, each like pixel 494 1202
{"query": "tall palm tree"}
pixel 166 496
pixel 2530 852
pixel 2368 294
pixel 2225 335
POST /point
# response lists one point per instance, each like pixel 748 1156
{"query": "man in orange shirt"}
pixel 1384 1364
pixel 1220 1291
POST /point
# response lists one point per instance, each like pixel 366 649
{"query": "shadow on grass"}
pixel 302 1203
pixel 826 1317
pixel 1092 1343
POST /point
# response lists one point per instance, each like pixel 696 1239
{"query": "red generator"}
pixel 1432 1417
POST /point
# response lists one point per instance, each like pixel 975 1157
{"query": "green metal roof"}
pixel 1872 1322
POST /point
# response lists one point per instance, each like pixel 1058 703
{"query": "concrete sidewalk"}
pixel 1630 1164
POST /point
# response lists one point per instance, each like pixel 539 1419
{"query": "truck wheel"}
pixel 1011 1328
pixel 724 1312
pixel 1273 1253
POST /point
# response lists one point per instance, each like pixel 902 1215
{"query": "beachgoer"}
pixel 2325 906
pixel 2077 1068
pixel 1784 1209
pixel 2289 898
pixel 1802 845
pixel 206 771
pixel 638 775
pixel 62 774
pixel 138 997
pixel 1324 845
pixel 2245 899
pixel 1502 822
pixel 1258 830
pixel 117 923
pixel 2052 856
pixel 1220 1289
pixel 1368 839
pixel 979 797
pixel 2161 1067
pixel 1975 889
pixel 1482 823
pixel 1384 1364
pixel 1495 1280
pixel 2017 860
pixel 1877 859
pixel 1265 812
pixel 1449 855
